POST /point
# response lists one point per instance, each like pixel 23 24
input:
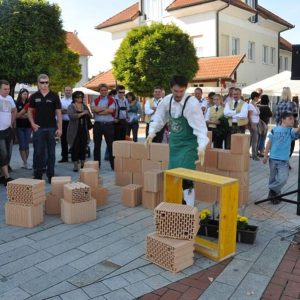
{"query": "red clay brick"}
pixel 292 289
pixel 201 283
pixel 170 295
pixel 161 291
pixel 191 294
pixel 273 291
pixel 150 297
pixel 296 271
pixel 278 280
pixel 177 286
pixel 286 266
pixel 287 298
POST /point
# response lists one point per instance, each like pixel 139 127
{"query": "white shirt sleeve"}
pixel 228 112
pixel 207 114
pixel 161 116
pixel 148 110
pixel 243 113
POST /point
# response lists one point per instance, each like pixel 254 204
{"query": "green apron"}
pixel 183 142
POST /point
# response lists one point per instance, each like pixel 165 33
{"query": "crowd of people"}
pixel 117 114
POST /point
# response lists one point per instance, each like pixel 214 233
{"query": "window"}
pixel 280 64
pixel 198 44
pixel 235 46
pixel 251 3
pixel 273 56
pixel 286 63
pixel 251 51
pixel 265 54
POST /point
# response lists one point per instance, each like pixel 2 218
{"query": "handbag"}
pixel 89 123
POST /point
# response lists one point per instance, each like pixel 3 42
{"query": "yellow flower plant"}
pixel 242 222
pixel 205 215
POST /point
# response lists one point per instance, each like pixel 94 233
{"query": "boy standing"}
pixel 279 145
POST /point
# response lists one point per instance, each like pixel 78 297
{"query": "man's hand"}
pixel 58 132
pixel 201 156
pixel 265 160
pixel 149 139
pixel 35 127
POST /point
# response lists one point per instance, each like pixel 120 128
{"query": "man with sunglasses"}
pixel 46 105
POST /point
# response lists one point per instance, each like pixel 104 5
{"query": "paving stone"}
pixel 138 289
pixel 24 263
pixel 119 294
pixel 134 218
pixel 140 236
pixel 15 254
pixel 60 260
pixel 173 277
pixel 218 290
pixel 78 294
pixel 104 230
pixel 14 294
pixel 69 244
pixel 151 269
pixel 115 283
pixel 251 283
pixel 135 276
pixel 19 233
pixel 15 244
pixel 48 280
pixel 156 282
pixel 53 291
pixel 96 289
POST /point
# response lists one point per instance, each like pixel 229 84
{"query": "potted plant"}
pixel 208 226
pixel 245 233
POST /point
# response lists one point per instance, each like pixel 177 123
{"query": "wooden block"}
pixel 138 178
pixel 100 195
pixel 94 164
pixel 57 186
pixel 52 205
pixel 217 172
pixel 132 165
pixel 122 148
pixel 233 162
pixel 73 213
pixel 153 181
pixel 123 178
pixel 150 200
pixel 131 195
pixel 148 165
pixel 165 165
pixel 211 158
pixel 139 151
pixel 23 216
pixel 206 193
pixel 159 152
pixel 240 143
pixel 118 164
pixel 89 176
pixel 242 177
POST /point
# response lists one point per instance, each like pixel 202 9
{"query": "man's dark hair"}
pixel 211 94
pixel 112 93
pixel 198 89
pixel 264 100
pixel 131 94
pixel 102 85
pixel 286 114
pixel 120 87
pixel 254 94
pixel 179 80
pixel 157 88
pixel 238 89
pixel 3 82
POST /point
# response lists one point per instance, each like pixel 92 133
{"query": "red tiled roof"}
pixel 74 43
pixel 285 45
pixel 104 77
pixel 223 67
pixel 177 4
pixel 126 15
pixel 266 14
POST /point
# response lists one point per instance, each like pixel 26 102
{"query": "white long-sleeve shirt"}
pixel 231 112
pixel 148 109
pixel 192 113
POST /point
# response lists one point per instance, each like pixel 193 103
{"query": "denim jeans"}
pixel 23 137
pixel 279 173
pixel 6 143
pixel 44 143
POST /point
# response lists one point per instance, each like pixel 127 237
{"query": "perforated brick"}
pixel 89 176
pixel 94 164
pixel 176 220
pixel 131 195
pixel 153 181
pixel 77 192
pixel 150 199
pixel 171 254
pixel 100 194
pixel 57 185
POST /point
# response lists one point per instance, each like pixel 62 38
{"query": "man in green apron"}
pixel 188 131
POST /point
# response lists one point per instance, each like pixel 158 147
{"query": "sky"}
pixel 83 16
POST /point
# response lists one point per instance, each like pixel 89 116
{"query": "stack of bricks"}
pixel 52 206
pixel 77 206
pixel 25 202
pixel 131 195
pixel 172 245
pixel 232 163
pixel 90 176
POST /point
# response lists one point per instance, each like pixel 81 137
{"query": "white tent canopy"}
pixel 86 91
pixel 273 85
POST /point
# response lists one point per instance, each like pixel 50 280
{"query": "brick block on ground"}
pixel 153 181
pixel 118 164
pixel 100 195
pixel 211 158
pixel 122 148
pixel 165 165
pixel 52 205
pixel 217 171
pixel 209 135
pixel 123 178
pixel 73 213
pixel 77 192
pixel 176 220
pixel 148 165
pixel 243 196
pixel 171 254
pixel 242 177
pixel 233 162
pixel 131 195
pixel 139 151
pixel 23 216
pixel 132 165
pixel 57 185
pixel 94 164
pixel 159 152
pixel 138 178
pixel 240 143
pixel 150 199
pixel 89 176
pixel 206 193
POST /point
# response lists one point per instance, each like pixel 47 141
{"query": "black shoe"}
pixel 75 170
pixel 273 194
pixel 9 168
pixel 49 179
pixel 63 160
pixel 2 179
pixel 6 180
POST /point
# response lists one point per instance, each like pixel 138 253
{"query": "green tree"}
pixel 149 56
pixel 32 41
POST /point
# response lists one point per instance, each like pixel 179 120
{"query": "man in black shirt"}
pixel 44 105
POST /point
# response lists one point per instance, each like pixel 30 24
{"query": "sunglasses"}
pixel 78 97
pixel 44 82
pixel 121 92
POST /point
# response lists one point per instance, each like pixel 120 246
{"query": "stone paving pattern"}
pixel 105 258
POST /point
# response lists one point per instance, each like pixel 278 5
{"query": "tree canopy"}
pixel 149 56
pixel 32 41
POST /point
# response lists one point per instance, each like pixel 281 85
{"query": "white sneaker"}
pixel 27 166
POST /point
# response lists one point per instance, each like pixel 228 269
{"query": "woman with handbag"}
pixel 134 114
pixel 78 129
